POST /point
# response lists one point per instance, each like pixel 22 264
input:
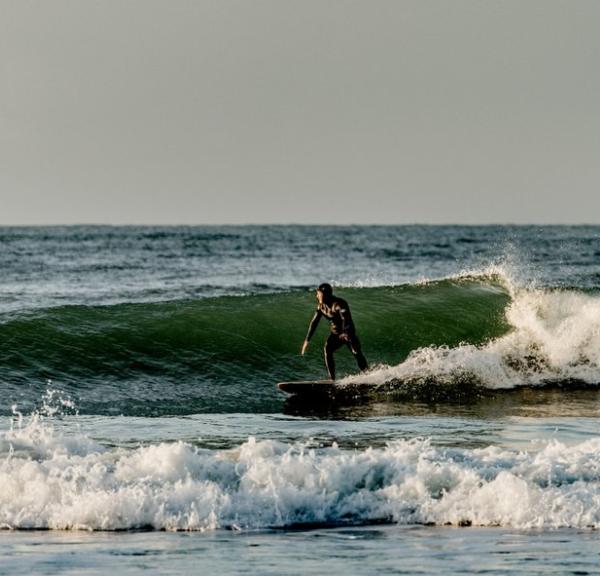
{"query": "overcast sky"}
pixel 306 111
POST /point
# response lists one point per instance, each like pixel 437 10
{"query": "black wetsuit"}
pixel 337 312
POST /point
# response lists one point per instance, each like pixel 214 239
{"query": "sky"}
pixel 276 111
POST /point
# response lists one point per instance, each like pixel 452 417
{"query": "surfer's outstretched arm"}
pixel 311 330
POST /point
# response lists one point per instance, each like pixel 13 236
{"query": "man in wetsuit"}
pixel 342 328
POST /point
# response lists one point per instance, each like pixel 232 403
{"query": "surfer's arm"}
pixel 311 330
pixel 313 325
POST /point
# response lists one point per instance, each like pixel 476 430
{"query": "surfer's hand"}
pixel 344 337
pixel 304 347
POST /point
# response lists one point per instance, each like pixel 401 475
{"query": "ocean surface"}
pixel 141 428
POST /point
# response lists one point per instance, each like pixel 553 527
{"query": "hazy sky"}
pixel 304 111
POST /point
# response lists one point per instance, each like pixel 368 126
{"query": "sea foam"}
pixel 77 484
pixel 553 337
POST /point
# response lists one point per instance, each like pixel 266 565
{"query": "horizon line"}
pixel 289 224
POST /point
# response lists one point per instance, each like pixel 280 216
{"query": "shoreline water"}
pixel 381 549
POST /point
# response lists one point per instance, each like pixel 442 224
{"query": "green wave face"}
pixel 231 350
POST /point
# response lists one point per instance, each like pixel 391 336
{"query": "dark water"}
pixel 138 369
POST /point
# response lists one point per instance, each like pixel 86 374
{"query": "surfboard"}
pixel 306 386
pixel 323 388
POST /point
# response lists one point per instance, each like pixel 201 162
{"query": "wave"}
pixel 53 482
pixel 429 340
pixel 228 351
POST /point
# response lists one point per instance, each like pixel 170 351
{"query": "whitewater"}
pixel 552 337
pixel 141 428
pixel 51 481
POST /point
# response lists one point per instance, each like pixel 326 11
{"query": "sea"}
pixel 141 428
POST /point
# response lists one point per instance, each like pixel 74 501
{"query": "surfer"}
pixel 342 329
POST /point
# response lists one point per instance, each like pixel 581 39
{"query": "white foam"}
pixel 264 484
pixel 554 337
pixel 33 436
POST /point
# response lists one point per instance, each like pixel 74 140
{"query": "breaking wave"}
pixel 225 354
pixel 553 337
pixel 51 481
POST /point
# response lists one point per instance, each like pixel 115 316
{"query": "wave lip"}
pixel 270 484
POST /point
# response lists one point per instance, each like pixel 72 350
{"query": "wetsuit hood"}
pixel 326 290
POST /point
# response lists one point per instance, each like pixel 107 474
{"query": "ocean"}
pixel 141 427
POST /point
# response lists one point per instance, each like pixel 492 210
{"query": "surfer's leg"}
pixel 331 345
pixel 356 349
